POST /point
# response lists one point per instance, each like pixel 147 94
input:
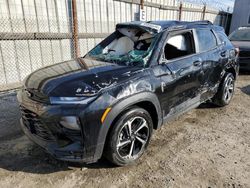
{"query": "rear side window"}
pixel 206 40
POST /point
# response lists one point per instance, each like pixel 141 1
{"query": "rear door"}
pixel 180 89
pixel 212 56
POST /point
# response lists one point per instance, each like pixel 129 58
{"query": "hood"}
pixel 244 45
pixel 79 77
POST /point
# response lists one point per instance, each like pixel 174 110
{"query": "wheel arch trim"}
pixel 118 108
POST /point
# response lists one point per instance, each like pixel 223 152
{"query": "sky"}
pixel 219 4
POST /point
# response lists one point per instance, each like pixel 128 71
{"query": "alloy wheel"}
pixel 229 89
pixel 132 138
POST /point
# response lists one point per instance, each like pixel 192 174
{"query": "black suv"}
pixel 110 101
pixel 240 38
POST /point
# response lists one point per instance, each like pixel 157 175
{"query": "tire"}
pixel 121 139
pixel 225 91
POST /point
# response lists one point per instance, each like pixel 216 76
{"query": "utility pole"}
pixel 204 12
pixel 141 14
pixel 75 30
pixel 142 4
pixel 180 11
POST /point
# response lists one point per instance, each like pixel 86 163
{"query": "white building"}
pixel 241 14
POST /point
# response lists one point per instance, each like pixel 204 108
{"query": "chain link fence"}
pixel 38 33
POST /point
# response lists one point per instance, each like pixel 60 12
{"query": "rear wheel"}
pixel 129 137
pixel 226 91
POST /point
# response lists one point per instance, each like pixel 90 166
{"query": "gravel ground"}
pixel 206 147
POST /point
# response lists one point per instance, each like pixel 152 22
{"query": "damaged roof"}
pixel 158 26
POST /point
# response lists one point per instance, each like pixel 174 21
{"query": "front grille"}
pixel 35 125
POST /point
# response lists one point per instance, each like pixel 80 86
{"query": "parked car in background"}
pixel 241 40
pixel 110 101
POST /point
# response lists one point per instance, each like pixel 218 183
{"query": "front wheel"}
pixel 226 91
pixel 129 137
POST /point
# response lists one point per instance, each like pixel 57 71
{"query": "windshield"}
pixel 242 34
pixel 127 46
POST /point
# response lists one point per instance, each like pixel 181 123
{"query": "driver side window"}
pixel 179 45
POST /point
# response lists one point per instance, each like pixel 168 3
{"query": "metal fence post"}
pixel 142 4
pixel 180 11
pixel 204 12
pixel 75 30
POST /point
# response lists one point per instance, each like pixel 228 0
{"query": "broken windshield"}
pixel 127 46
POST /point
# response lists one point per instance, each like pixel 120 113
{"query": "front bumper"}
pixel 72 152
pixel 244 63
pixel 40 122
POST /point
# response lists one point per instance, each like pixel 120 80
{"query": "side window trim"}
pixel 216 37
pixel 173 33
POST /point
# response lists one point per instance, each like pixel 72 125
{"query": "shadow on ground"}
pixel 9 116
pixel 33 159
pixel 207 105
pixel 246 89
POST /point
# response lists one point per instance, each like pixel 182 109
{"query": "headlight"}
pixel 70 122
pixel 70 100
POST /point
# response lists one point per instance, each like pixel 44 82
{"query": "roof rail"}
pixel 205 22
pixel 185 24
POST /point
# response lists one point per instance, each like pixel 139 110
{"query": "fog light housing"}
pixel 70 122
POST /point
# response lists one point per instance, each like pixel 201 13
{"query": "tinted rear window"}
pixel 206 39
pixel 242 34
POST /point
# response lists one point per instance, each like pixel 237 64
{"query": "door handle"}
pixel 197 63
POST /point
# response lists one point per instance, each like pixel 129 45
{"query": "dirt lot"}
pixel 207 147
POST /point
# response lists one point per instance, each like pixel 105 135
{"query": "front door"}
pixel 181 88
